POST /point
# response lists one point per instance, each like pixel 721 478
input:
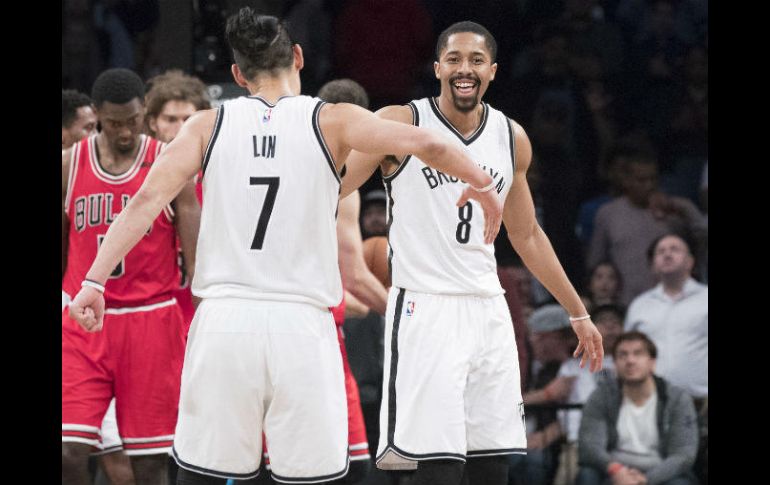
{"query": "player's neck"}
pixel 272 88
pixel 115 163
pixel 466 122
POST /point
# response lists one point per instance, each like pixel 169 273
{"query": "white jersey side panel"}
pixel 270 193
pixel 436 247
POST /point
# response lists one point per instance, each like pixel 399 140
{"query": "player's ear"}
pixel 436 69
pixel 240 79
pixel 299 58
pixel 494 70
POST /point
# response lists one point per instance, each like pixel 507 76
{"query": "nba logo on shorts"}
pixel 409 308
pixel 266 116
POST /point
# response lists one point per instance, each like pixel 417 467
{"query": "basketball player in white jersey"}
pixel 262 353
pixel 451 391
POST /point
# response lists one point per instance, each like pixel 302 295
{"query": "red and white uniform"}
pixel 137 357
pixel 359 446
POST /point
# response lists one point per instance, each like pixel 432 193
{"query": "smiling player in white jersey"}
pixel 451 386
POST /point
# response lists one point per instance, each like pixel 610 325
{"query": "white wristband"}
pixel 577 319
pixel 487 188
pixel 93 284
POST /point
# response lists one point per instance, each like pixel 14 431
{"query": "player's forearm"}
pixel 370 291
pixel 188 219
pixel 353 307
pixel 539 257
pixel 127 229
pixel 452 161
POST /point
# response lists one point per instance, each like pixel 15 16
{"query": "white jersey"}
pixel 434 246
pixel 270 193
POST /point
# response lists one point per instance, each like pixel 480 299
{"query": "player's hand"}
pixel 492 207
pixel 590 344
pixel 87 308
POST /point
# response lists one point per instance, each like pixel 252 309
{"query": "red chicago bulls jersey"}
pixel 149 272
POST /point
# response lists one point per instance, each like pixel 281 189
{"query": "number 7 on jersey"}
pixel 267 208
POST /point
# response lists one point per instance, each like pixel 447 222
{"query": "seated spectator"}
pixel 639 429
pixel 609 322
pixel 604 286
pixel 552 342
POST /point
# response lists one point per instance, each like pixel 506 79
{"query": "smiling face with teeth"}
pixel 465 69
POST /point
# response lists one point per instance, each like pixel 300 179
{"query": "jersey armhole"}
pixel 74 157
pixel 415 122
pixel 512 145
pixel 210 147
pixel 320 137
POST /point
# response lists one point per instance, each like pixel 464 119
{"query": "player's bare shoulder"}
pixel 201 124
pixel 402 113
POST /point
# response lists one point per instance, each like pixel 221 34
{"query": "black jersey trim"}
pixel 212 473
pixel 394 367
pixel 389 193
pixel 475 134
pixel 415 122
pixel 501 451
pixel 512 146
pixel 267 103
pixel 210 147
pixel 324 478
pixel 319 136
pixel 420 456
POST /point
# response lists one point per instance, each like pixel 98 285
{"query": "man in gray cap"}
pixel 552 340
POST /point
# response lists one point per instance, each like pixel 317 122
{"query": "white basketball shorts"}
pixel 110 437
pixel 262 366
pixel 451 387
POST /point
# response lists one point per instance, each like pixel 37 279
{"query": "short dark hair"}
pixel 344 91
pixel 71 100
pixel 686 238
pixel 175 85
pixel 616 310
pixel 259 42
pixel 636 336
pixel 466 26
pixel 118 86
pixel 633 149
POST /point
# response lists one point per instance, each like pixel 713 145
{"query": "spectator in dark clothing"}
pixel 639 429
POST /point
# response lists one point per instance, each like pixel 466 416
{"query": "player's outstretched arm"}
pixel 360 166
pixel 176 166
pixel 534 247
pixel 358 129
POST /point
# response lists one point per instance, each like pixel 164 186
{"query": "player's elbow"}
pixel 147 200
pixel 522 234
